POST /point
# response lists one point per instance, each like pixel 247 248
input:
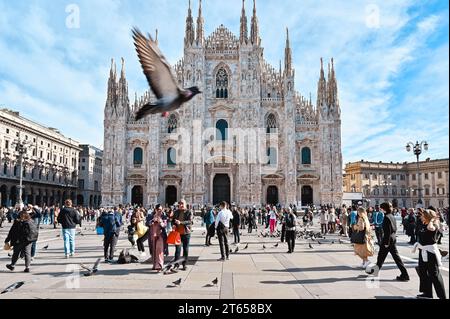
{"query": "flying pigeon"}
pixel 160 77
pixel 93 270
pixel 443 253
pixel 13 287
pixel 215 281
pixel 177 282
pixel 45 247
pixel 310 246
pixel 276 245
pixel 246 246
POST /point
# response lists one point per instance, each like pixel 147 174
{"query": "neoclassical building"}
pixel 49 166
pixel 250 138
pixel 399 182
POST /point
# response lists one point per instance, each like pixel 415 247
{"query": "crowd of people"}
pixel 159 226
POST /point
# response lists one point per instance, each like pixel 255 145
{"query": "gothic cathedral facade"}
pixel 249 138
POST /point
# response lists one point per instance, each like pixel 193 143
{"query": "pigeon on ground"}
pixel 246 246
pixel 276 245
pixel 9 255
pixel 177 282
pixel 45 247
pixel 332 242
pixel 58 235
pixel 160 77
pixel 264 246
pixel 319 242
pixel 236 250
pixel 340 241
pixel 310 246
pixel 215 281
pixel 93 270
pixel 231 251
pixel 13 287
pixel 203 234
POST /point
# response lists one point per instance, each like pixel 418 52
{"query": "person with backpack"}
pixel 290 224
pixel 69 218
pixel 21 235
pixel 111 223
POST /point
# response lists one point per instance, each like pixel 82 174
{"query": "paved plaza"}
pixel 328 270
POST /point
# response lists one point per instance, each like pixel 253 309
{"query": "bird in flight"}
pixel 160 77
pixel 93 270
pixel 13 287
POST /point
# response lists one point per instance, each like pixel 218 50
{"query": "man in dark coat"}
pixel 389 241
pixel 182 219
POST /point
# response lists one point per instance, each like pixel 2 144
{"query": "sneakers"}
pixel 424 296
pixel 72 255
pixel 221 259
pixel 10 267
pixel 27 270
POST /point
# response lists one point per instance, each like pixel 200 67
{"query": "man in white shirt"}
pixel 222 224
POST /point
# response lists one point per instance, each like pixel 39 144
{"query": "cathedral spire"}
pixel 288 56
pixel 332 86
pixel 244 27
pixel 254 29
pixel 200 28
pixel 122 71
pixel 190 32
pixel 321 89
pixel 156 36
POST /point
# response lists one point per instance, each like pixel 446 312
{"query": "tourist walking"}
pixel 377 220
pixel 222 224
pixel 290 224
pixel 332 220
pixel 410 225
pixel 272 219
pixel 362 237
pixel 236 222
pixel 323 221
pixel 429 256
pixel 111 223
pixel 389 242
pixel 157 230
pixel 137 220
pixel 182 220
pixel 69 219
pixel 208 220
pixel 22 233
pixel 343 218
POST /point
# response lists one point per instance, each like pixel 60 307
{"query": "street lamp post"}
pixel 417 149
pixel 21 148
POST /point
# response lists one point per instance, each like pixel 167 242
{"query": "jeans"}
pixel 223 242
pixel 109 246
pixel 22 248
pixel 379 234
pixel 69 241
pixel 52 219
pixel 185 239
pixel 237 238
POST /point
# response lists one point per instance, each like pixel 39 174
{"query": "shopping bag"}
pixel 100 230
pixel 174 238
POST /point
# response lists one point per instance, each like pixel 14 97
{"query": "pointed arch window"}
pixel 222 84
pixel 271 124
pixel 172 124
pixel 306 156
pixel 138 156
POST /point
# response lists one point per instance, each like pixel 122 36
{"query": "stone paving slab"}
pixel 325 271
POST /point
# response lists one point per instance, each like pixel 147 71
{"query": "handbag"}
pixel 174 238
pixel 141 229
pixel 358 237
pixel 7 247
pixel 99 230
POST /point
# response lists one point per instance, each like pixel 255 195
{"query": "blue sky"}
pixel 391 58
